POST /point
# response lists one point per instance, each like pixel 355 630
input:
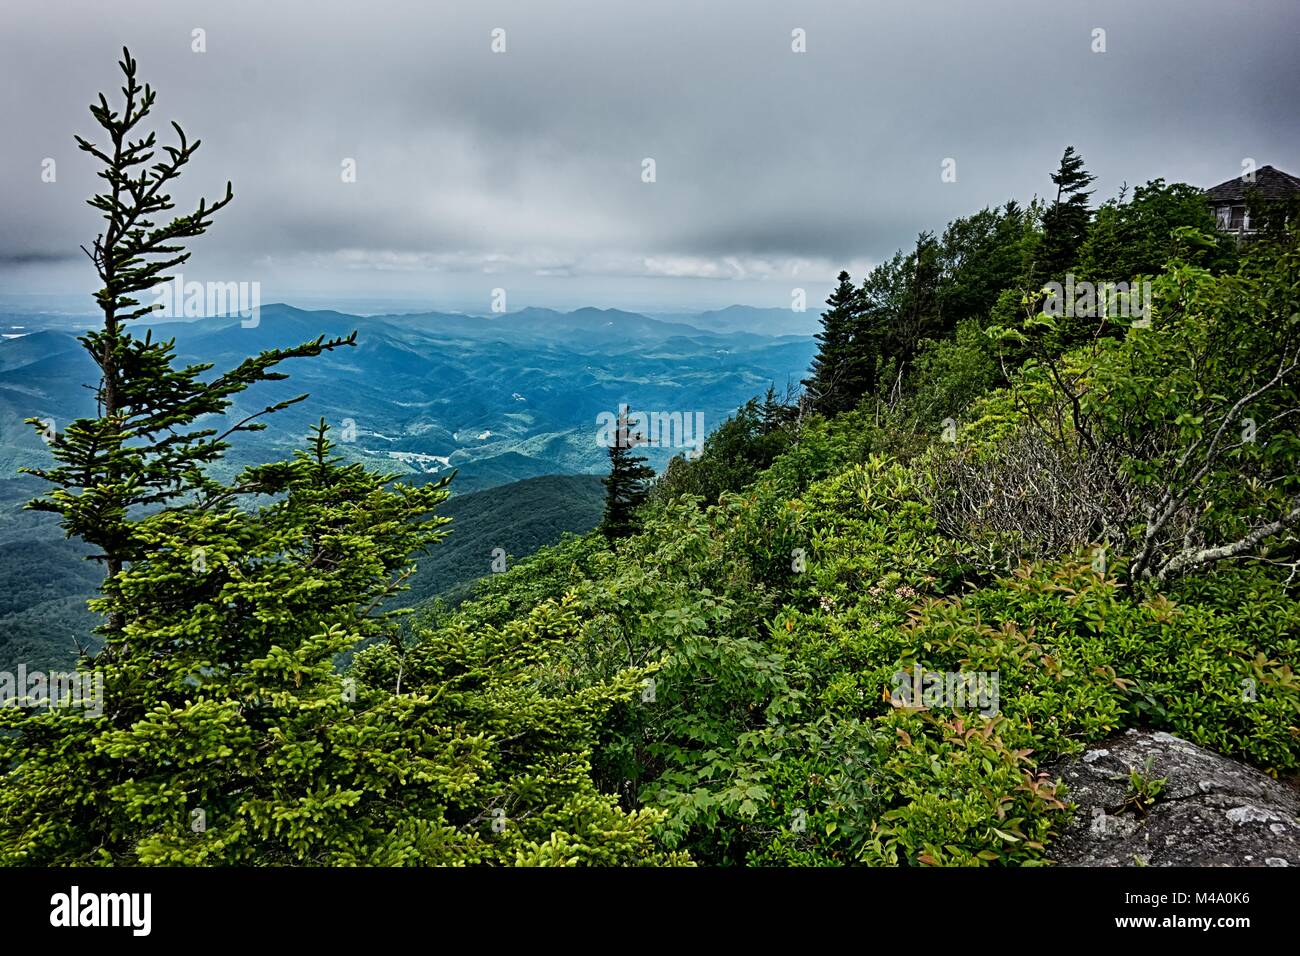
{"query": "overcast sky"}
pixel 523 170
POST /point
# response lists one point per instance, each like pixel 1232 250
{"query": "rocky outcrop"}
pixel 1209 811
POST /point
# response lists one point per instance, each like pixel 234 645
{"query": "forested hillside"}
pixel 498 398
pixel 491 529
pixel 996 526
pixel 46 580
pixel 1094 515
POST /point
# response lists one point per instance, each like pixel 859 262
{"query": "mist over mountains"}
pixel 508 402
pixel 500 398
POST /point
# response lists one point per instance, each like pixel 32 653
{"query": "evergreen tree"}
pixel 775 413
pixel 838 380
pixel 628 484
pixel 221 730
pixel 917 317
pixel 229 737
pixel 143 449
pixel 1065 221
pixel 899 309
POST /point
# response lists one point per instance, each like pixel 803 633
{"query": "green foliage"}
pixel 770 736
pixel 739 449
pixel 219 690
pixel 1066 220
pixel 773 613
pixel 508 690
pixel 845 366
pixel 950 374
pixel 628 484
pixel 980 256
pixel 1135 236
pixel 221 730
pixel 1204 404
pixel 1143 788
pixel 144 449
pixel 720 676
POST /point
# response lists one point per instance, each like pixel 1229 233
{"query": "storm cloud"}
pixel 523 169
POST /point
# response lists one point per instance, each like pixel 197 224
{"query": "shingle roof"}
pixel 1272 184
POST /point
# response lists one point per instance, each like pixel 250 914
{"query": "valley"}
pixel 510 405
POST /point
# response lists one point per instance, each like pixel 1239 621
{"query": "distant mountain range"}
pixel 748 318
pixel 733 318
pixel 503 400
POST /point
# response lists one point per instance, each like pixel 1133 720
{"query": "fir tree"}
pixel 1065 222
pixel 628 484
pixel 775 412
pixel 917 315
pixel 143 449
pixel 222 730
pixel 838 380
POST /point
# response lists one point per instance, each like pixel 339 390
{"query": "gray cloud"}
pixel 522 169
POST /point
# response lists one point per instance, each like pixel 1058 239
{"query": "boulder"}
pixel 1210 811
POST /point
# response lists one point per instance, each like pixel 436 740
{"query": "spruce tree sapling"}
pixel 628 484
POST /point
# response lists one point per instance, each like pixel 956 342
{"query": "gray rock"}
pixel 1212 810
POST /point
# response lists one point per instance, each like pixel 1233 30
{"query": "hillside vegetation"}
pixel 490 529
pixel 46 580
pixel 1097 513
pixel 853 630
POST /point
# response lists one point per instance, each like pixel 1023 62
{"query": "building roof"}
pixel 1272 184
